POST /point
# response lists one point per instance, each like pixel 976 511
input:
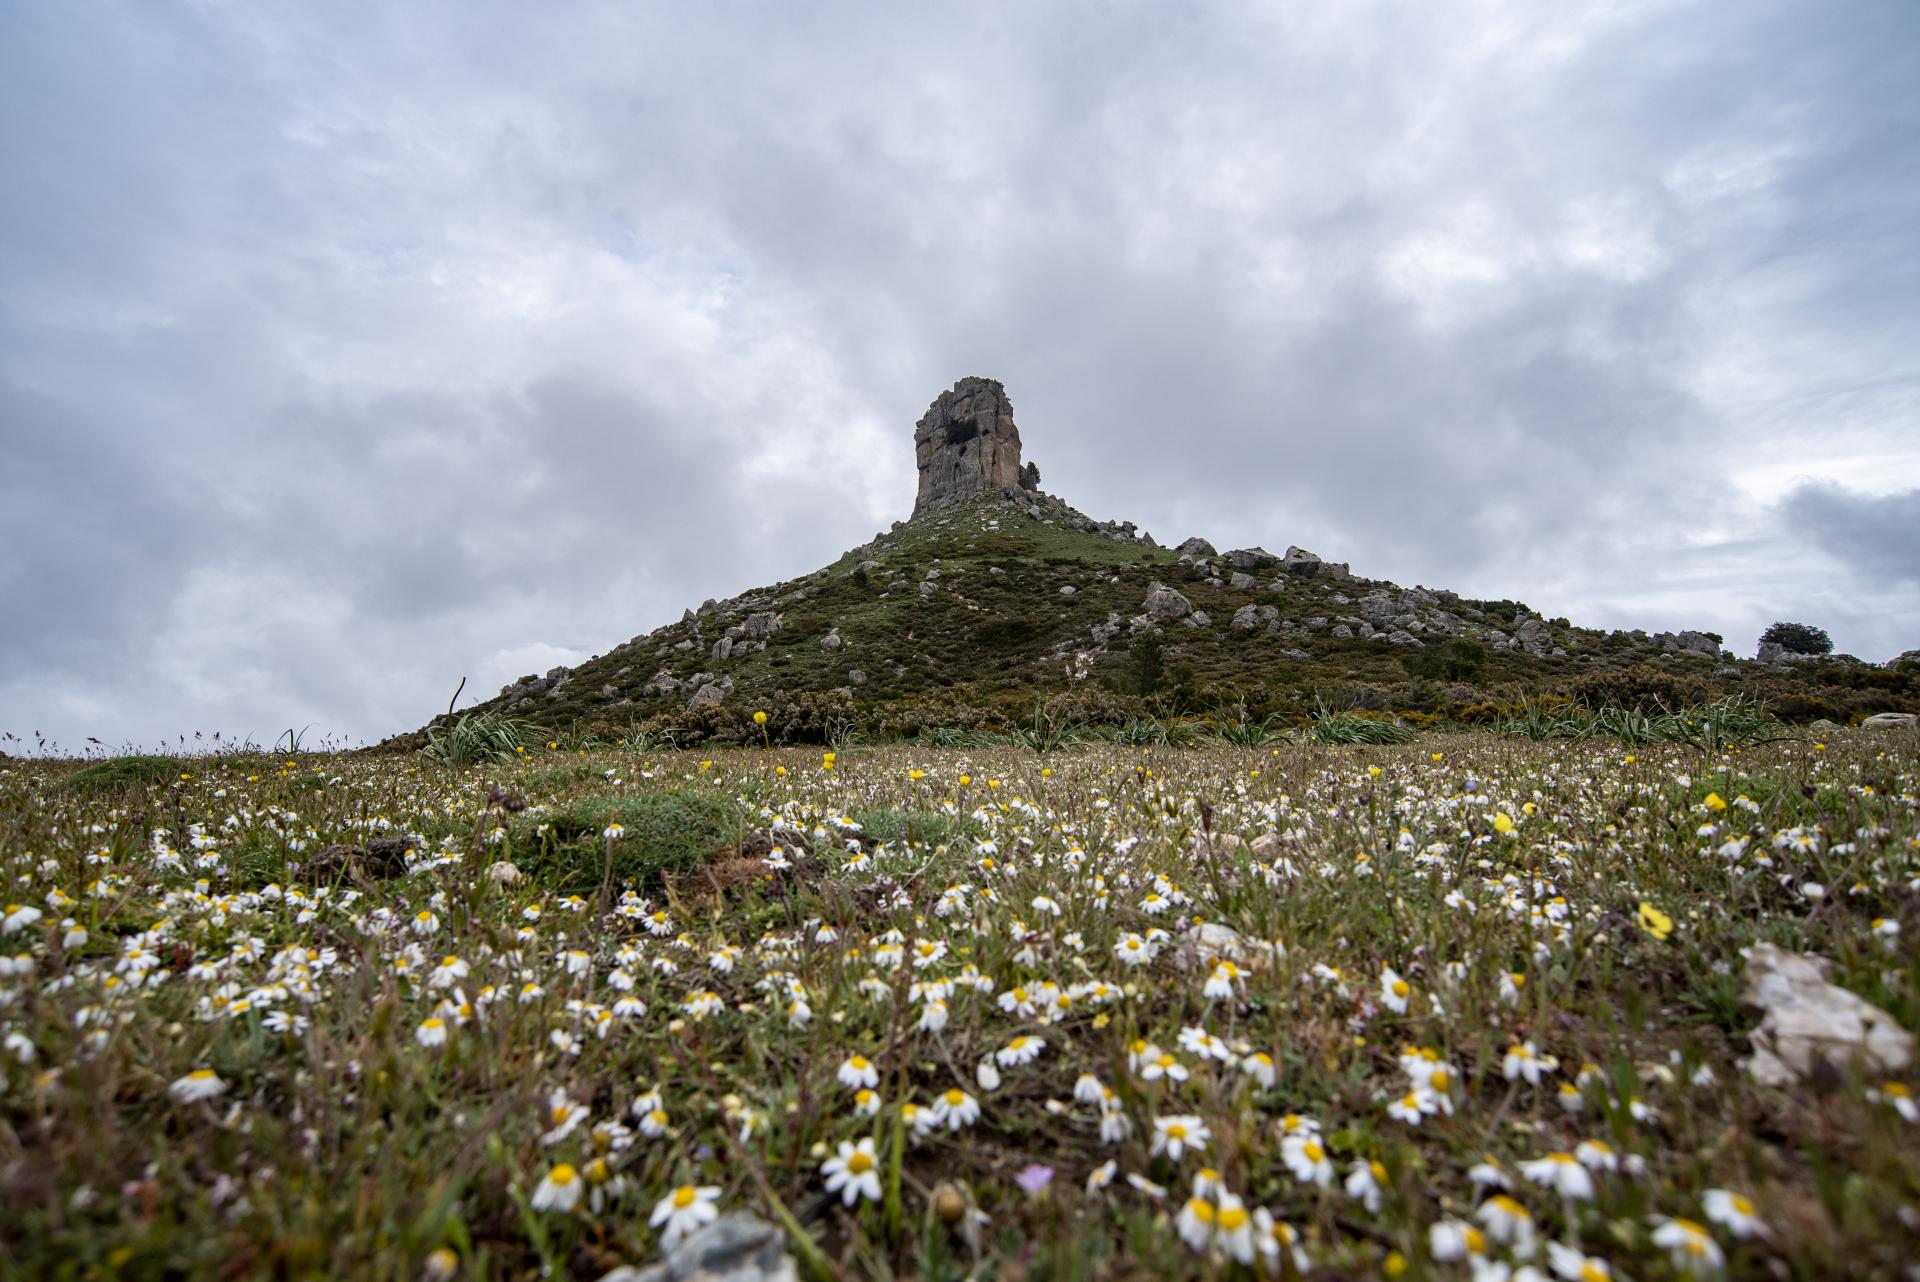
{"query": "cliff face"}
pixel 966 444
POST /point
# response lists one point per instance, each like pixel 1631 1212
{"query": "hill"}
pixel 996 597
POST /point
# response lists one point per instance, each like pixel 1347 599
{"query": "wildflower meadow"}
pixel 1467 1007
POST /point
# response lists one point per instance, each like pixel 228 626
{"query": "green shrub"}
pixel 124 772
pixel 1798 638
pixel 477 737
pixel 663 833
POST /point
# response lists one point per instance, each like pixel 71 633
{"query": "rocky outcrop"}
pixel 966 444
pixel 1686 643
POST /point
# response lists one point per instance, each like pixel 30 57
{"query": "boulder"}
pixel 1809 1020
pixel 1195 549
pixel 966 444
pixel 710 695
pixel 737 1247
pixel 1241 582
pixel 1164 603
pixel 761 626
pixel 832 641
pixel 1889 721
pixel 1303 564
pixel 1251 559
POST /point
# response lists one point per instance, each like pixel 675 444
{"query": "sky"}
pixel 348 350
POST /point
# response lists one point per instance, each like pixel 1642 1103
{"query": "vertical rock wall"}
pixel 966 444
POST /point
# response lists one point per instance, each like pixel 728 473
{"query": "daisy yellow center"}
pixel 1201 1210
pixel 1441 1079
pixel 1476 1241
pixel 1233 1217
pixel 563 1175
pixel 955 1098
pixel 1400 988
pixel 859 1164
pixel 1176 1132
pixel 201 1075
pixel 858 1062
pixel 1313 1151
pixel 683 1197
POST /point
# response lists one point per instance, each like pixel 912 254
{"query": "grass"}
pixel 1500 877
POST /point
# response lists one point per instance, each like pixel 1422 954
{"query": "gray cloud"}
pixel 1877 537
pixel 349 350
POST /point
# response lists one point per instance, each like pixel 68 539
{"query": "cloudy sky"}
pixel 349 349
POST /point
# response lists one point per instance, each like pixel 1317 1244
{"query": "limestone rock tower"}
pixel 966 444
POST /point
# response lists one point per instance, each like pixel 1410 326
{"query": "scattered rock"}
pixel 1773 652
pixel 856 677
pixel 1889 721
pixel 1823 726
pixel 761 626
pixel 1809 1020
pixel 737 1247
pixel 1240 582
pixel 1067 589
pixel 832 641
pixel 503 872
pixel 1164 603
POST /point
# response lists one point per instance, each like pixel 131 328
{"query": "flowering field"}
pixel 1467 1008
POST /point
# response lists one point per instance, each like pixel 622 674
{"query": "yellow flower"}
pixel 1714 803
pixel 1655 922
pixel 1502 822
pixel 1439 756
pixel 781 771
pixel 759 718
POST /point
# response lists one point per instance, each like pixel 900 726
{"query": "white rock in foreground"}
pixel 1808 1020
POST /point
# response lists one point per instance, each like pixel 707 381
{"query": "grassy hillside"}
pixel 970 617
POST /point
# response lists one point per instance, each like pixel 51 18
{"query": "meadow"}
pixel 1464 1007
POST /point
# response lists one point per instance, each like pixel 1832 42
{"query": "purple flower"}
pixel 1034 1178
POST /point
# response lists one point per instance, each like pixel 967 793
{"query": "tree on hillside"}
pixel 1798 638
pixel 1148 653
pixel 1029 477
